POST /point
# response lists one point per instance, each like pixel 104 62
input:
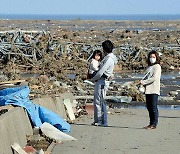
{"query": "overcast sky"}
pixel 90 7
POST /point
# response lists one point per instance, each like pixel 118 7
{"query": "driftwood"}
pixel 21 44
pixel 31 46
pixel 12 82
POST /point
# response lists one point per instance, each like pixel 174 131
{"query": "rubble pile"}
pixel 57 51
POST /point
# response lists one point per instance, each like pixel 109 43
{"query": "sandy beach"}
pixel 125 134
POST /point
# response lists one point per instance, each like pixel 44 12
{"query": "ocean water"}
pixel 89 17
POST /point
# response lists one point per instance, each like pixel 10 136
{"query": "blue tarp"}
pixel 19 96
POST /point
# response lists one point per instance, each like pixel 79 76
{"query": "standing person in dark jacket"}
pixel 152 85
pixel 102 83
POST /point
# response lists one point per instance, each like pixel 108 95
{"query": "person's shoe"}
pixel 104 125
pixel 147 127
pixel 93 123
pixel 150 127
pixel 153 127
pixel 96 124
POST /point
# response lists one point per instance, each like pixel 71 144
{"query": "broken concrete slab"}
pixel 69 109
pixel 53 133
pixel 60 107
pixel 11 132
pixel 18 149
pixel 54 104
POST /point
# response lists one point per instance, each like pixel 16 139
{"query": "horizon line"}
pixel 82 14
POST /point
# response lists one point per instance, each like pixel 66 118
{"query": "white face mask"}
pixel 152 60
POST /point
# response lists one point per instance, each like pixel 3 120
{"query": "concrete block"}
pixel 54 104
pixel 14 126
pixel 4 144
pixel 69 109
pixel 60 107
pixel 53 133
pixel 46 102
pixel 18 148
pixel 28 127
pixel 19 126
pixel 69 96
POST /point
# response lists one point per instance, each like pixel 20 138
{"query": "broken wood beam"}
pixel 117 99
pixel 12 82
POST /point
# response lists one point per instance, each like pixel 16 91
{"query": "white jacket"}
pixel 152 81
pixel 94 66
pixel 106 67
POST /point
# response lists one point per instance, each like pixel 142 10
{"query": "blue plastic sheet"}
pixel 18 96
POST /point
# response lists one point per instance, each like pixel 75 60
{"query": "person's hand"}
pixel 137 82
pixel 142 82
pixel 111 77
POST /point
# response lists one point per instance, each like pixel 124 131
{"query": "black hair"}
pixel 157 58
pixel 97 52
pixel 107 46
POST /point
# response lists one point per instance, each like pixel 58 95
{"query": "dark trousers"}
pixel 151 104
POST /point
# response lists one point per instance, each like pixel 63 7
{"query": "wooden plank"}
pixel 117 99
pixel 12 82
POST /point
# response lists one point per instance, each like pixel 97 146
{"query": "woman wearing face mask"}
pixel 152 85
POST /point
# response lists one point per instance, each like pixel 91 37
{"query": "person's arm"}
pixel 156 74
pixel 104 66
